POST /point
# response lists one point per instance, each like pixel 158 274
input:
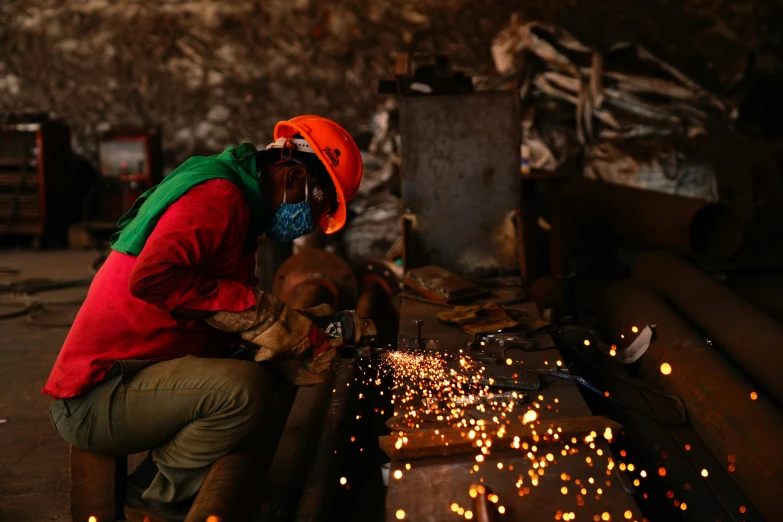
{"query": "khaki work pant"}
pixel 189 412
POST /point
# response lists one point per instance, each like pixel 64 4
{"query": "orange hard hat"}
pixel 339 154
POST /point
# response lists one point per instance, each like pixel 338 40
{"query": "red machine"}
pixel 130 162
pixel 35 158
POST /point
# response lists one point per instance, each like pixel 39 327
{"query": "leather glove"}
pixel 309 371
pixel 276 328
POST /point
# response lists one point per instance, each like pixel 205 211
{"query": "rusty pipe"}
pixel 319 493
pixel 314 267
pixel 380 283
pixel 751 338
pixel 718 399
pixel 307 279
pixel 694 227
pixel 312 293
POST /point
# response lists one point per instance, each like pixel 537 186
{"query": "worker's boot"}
pixel 139 510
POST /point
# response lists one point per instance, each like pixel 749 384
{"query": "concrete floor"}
pixel 33 458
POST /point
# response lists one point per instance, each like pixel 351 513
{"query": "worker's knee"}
pixel 251 390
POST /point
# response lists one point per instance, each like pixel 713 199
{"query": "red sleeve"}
pixel 210 219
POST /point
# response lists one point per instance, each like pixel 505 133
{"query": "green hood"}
pixel 237 164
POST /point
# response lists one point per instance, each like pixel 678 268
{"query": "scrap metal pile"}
pixel 627 109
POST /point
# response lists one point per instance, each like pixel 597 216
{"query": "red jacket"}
pixel 193 259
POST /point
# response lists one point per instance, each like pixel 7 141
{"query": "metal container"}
pixel 461 180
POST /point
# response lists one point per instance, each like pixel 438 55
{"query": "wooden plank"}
pixel 455 441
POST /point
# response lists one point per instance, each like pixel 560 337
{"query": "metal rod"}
pixel 319 492
pixel 731 423
pixel 688 226
pixel 751 338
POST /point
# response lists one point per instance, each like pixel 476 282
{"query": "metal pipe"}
pixel 751 338
pixel 693 227
pixel 311 267
pixel 731 423
pixel 311 293
pixel 655 445
pixel 761 289
pixel 318 496
pixel 372 292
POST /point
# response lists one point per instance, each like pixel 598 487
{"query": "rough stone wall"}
pixel 215 73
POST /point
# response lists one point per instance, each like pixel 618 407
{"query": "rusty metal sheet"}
pixel 441 285
pixel 453 441
pixel 428 489
pixel 461 178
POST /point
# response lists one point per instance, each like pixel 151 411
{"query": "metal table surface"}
pixel 433 486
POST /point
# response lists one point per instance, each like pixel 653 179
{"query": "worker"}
pixel 146 365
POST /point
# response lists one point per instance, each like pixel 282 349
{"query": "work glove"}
pixel 276 328
pixel 302 351
pixel 311 369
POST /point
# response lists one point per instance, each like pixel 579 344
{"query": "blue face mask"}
pixel 291 220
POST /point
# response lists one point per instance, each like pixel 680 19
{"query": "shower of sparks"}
pixel 433 391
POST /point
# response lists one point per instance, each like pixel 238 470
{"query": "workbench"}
pixel 437 488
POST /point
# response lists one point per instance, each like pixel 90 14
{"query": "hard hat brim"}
pixel 334 222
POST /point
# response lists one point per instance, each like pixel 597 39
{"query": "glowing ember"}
pixel 400 514
pixel 628 514
pixel 454 507
pixel 501 509
pixel 754 396
pixel 662 472
pixel 705 473
pixel 468 515
pixel 587 343
pixel 210 518
pixel 93 519
pixel 343 481
pixel 606 516
pixel 398 474
pixel 666 369
pixel 634 329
